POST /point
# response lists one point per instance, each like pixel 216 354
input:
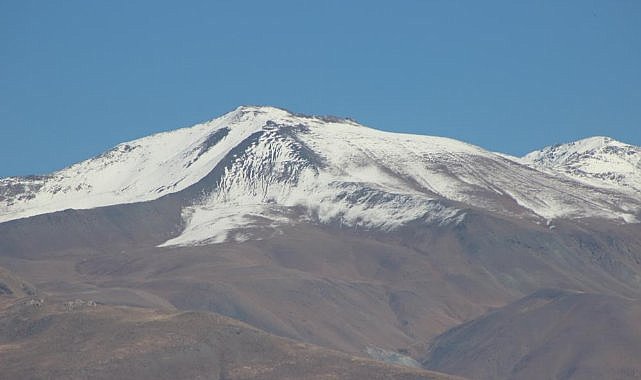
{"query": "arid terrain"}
pixel 79 339
pixel 549 334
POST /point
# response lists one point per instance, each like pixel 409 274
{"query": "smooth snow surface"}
pixel 272 168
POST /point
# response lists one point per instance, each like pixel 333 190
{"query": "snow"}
pixel 379 180
pixel 289 168
pixel 598 161
pixel 272 175
pixel 135 171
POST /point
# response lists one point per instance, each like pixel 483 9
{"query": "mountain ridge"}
pixel 599 161
pixel 263 167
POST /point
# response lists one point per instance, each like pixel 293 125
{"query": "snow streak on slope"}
pixel 598 161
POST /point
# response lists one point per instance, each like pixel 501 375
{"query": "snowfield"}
pixel 598 161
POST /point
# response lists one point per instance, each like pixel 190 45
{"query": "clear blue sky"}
pixel 77 77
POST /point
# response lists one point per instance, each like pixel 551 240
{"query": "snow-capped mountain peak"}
pixel 254 169
pixel 134 171
pixel 600 161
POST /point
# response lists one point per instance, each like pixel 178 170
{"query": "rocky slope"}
pixel 552 334
pixel 81 339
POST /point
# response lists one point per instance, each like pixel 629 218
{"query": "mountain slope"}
pixel 248 172
pixel 135 171
pixel 81 339
pixel 337 287
pixel 551 334
pixel 598 161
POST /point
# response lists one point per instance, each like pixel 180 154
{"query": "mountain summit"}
pixel 599 161
pixel 245 173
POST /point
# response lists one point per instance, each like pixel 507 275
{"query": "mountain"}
pixel 597 161
pixel 321 231
pixel 551 334
pixel 256 168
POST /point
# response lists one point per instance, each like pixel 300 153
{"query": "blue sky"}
pixel 77 77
